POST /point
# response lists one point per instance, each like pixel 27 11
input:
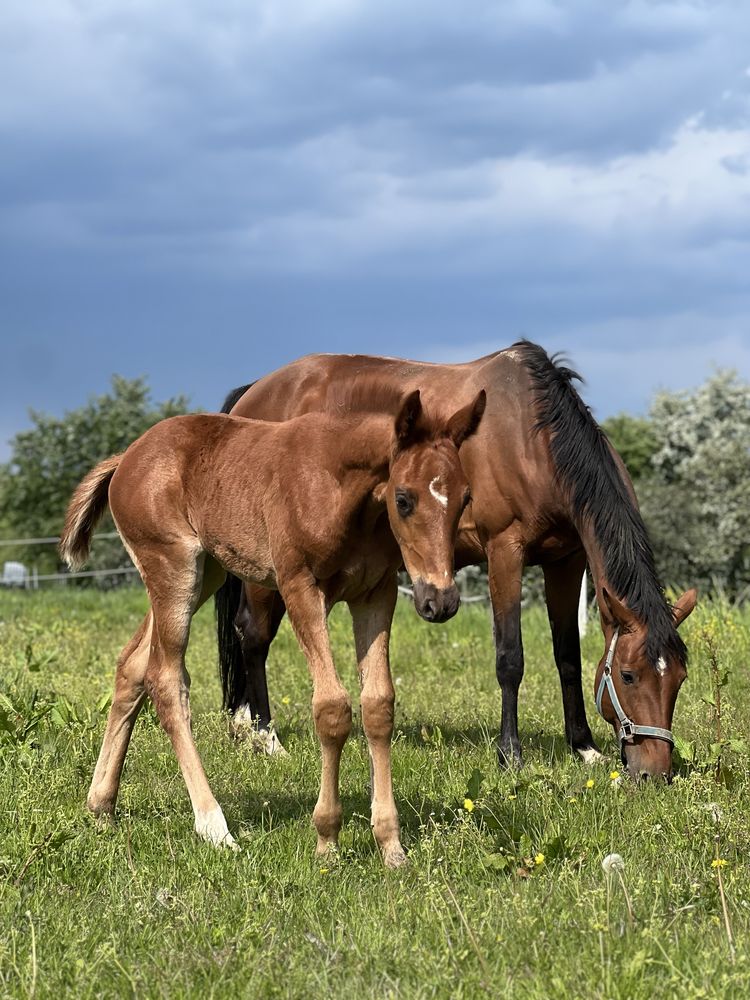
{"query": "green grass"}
pixel 145 909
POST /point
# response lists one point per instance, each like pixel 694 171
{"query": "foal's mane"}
pixel 599 496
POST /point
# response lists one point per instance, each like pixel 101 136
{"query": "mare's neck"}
pixel 596 562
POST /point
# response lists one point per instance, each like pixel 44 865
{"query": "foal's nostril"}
pixel 429 610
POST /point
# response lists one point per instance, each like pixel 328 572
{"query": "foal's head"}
pixel 645 690
pixel 426 493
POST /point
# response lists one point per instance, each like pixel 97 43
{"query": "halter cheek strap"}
pixel 628 729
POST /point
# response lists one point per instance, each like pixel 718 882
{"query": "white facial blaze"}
pixel 661 665
pixel 435 487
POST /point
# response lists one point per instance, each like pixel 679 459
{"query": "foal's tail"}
pixel 85 510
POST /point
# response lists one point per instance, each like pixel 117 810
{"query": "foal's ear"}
pixel 464 423
pixel 617 612
pixel 406 421
pixel 683 606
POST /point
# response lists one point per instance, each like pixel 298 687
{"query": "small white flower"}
pixel 613 863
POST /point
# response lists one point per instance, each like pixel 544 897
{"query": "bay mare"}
pixel 322 508
pixel 548 489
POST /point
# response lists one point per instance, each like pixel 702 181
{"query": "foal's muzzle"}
pixel 434 604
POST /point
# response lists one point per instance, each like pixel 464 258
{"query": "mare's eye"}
pixel 467 499
pixel 404 503
pixel 627 677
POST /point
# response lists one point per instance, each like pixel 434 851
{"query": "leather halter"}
pixel 628 728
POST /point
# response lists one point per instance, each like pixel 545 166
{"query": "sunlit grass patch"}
pixel 505 892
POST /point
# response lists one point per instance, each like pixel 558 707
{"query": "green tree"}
pixel 697 503
pixel 49 460
pixel 635 441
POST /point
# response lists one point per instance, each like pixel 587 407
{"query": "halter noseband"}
pixel 628 729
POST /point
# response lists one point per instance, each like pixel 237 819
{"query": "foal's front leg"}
pixel 372 626
pixel 332 707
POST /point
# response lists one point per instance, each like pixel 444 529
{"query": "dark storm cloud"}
pixel 424 178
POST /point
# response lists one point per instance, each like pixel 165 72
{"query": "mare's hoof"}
pixel 589 755
pixel 265 741
pixel 509 758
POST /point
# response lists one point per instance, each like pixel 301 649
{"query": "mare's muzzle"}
pixel 435 604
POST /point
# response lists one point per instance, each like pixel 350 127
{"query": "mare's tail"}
pixel 85 510
pixel 226 603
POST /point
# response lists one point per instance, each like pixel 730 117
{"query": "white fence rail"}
pixel 33 579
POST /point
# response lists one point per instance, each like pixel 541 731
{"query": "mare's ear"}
pixel 683 606
pixel 378 494
pixel 464 423
pixel 617 612
pixel 407 418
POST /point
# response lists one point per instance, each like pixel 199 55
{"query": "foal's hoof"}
pixel 394 856
pixel 212 827
pixel 103 810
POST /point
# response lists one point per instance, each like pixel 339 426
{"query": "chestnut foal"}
pixel 321 508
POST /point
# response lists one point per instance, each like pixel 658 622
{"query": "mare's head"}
pixel 426 493
pixel 636 689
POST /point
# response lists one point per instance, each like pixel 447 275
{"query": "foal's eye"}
pixel 467 499
pixel 627 677
pixel 404 504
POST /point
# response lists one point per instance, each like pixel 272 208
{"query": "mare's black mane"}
pixel 599 497
pixel 234 396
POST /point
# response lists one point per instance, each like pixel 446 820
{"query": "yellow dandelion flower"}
pixel 572 798
pixel 511 797
pixel 285 700
pixel 539 859
pixel 614 775
pixel 718 863
pixel 324 871
pixel 590 783
pixel 468 805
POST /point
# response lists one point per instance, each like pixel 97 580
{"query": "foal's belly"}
pixel 254 566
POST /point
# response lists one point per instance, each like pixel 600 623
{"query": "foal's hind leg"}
pixel 175 580
pixel 128 698
pixel 332 707
pixel 372 625
pixel 562 585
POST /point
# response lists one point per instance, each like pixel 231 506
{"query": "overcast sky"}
pixel 202 190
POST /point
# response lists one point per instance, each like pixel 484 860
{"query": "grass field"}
pixel 507 898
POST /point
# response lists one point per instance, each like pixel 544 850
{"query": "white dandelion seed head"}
pixel 613 863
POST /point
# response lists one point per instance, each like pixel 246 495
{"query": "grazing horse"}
pixel 321 508
pixel 548 489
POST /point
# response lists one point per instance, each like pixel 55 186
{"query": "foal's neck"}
pixel 366 445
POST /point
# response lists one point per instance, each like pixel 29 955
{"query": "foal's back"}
pixel 255 495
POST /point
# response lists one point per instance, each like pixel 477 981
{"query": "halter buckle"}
pixel 628 730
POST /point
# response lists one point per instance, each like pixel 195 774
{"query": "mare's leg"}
pixel 562 585
pixel 505 568
pixel 127 700
pixel 332 707
pixel 372 626
pixel 256 623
